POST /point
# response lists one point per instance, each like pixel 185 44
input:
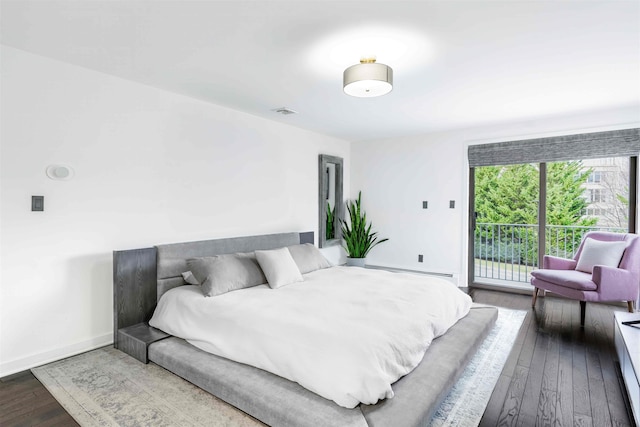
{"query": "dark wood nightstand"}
pixel 134 340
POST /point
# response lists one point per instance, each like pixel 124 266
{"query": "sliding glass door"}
pixel 521 211
pixel 524 210
pixel 506 228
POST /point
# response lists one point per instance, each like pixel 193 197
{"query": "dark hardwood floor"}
pixel 556 375
pixel 25 402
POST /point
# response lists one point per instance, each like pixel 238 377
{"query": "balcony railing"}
pixel 510 251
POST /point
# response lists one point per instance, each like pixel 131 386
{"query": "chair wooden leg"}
pixel 630 305
pixel 583 309
pixel 535 297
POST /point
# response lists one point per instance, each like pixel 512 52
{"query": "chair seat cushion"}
pixel 567 278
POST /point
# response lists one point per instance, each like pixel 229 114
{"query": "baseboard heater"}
pixel 406 270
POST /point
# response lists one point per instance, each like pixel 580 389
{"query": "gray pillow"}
pixel 189 278
pixel 308 258
pixel 225 273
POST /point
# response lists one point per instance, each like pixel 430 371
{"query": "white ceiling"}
pixel 456 64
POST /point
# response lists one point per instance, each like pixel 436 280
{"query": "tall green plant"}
pixel 330 232
pixel 358 237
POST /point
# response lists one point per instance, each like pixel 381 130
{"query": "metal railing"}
pixel 510 251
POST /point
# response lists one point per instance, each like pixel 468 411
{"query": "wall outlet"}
pixel 425 205
pixel 452 204
pixel 420 258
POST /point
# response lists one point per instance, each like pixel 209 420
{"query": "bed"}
pixel 142 276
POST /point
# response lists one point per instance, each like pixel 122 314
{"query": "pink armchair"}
pixel 621 283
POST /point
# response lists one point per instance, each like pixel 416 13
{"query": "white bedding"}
pixel 345 333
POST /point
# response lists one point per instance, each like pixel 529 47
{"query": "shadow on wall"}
pixel 90 278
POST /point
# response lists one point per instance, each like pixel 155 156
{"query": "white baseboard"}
pixel 19 365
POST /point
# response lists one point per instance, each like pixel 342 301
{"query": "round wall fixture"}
pixel 60 172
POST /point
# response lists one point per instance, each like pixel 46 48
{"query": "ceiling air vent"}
pixel 285 111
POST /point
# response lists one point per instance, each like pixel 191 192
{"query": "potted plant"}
pixel 358 237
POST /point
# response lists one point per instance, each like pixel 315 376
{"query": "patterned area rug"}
pixel 105 387
pixel 465 404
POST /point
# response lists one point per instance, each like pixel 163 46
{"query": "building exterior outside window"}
pixel 607 191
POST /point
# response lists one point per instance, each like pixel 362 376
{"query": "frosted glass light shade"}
pixel 367 80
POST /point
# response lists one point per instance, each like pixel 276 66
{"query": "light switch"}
pixel 425 205
pixel 452 204
pixel 37 203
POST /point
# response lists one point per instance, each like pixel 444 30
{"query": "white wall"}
pixel 396 175
pixel 150 167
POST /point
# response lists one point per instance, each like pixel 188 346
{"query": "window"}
pixel 537 197
pixel 597 212
pixel 595 177
pixel 598 195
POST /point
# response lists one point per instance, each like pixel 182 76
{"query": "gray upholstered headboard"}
pixel 141 276
pixel 172 258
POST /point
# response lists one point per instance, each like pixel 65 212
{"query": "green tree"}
pixel 509 195
pixel 565 206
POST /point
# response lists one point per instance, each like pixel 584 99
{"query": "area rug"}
pixel 106 387
pixel 465 404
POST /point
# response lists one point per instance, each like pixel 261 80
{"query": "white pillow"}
pixel 596 252
pixel 279 267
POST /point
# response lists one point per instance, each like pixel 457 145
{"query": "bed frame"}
pixel 141 276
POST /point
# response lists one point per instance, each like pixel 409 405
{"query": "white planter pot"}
pixel 356 262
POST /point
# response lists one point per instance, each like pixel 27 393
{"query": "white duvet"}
pixel 345 333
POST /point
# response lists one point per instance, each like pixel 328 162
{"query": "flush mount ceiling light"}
pixel 367 79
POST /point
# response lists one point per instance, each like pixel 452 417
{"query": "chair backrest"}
pixel 631 258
